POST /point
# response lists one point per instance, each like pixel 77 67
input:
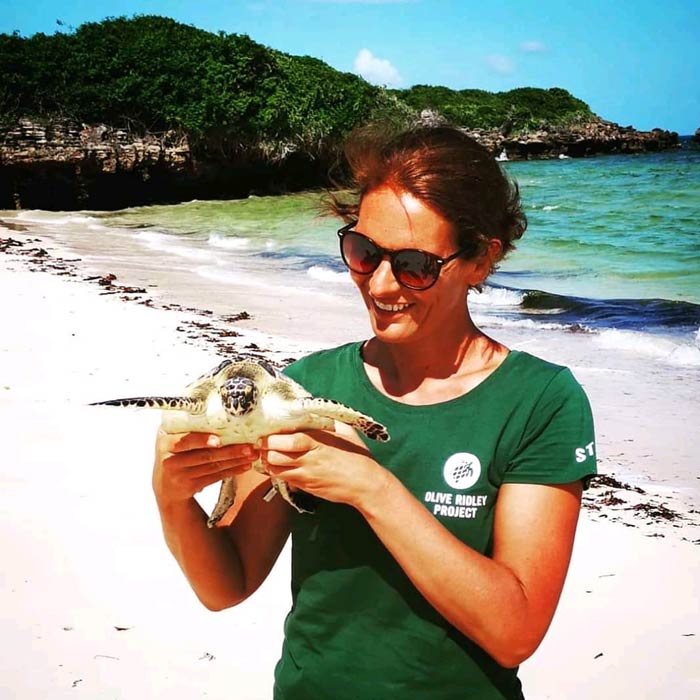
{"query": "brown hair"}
pixel 445 169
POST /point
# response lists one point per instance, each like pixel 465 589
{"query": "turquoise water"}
pixel 607 227
pixel 611 227
pixel 613 244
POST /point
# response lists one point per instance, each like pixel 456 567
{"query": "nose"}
pixel 382 280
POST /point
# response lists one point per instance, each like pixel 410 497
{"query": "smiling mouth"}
pixel 390 307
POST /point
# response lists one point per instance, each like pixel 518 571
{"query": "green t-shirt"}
pixel 358 628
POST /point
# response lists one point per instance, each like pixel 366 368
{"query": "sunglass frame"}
pixel 435 260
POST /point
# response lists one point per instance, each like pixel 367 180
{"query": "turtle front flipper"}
pixel 344 414
pixel 165 403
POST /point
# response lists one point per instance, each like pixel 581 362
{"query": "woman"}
pixel 433 563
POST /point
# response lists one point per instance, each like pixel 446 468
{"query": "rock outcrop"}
pixel 64 165
pixel 593 137
pixel 67 165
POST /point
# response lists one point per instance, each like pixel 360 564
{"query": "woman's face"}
pixel 396 220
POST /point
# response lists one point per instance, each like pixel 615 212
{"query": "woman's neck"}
pixel 430 372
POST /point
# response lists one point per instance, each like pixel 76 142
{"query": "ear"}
pixel 486 261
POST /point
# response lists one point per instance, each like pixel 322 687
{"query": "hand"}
pixel 333 466
pixel 185 463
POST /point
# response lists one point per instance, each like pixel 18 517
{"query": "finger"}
pixel 220 468
pixel 196 458
pixel 281 472
pixel 237 451
pixel 182 442
pixel 186 442
pixel 280 460
pixel 204 481
pixel 287 442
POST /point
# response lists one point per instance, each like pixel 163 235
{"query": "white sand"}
pixel 83 554
pixel 81 541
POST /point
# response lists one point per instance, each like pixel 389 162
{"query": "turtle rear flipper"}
pixel 301 501
pixel 164 403
pixel 227 496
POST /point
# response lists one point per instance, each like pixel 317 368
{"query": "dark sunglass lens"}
pixel 415 269
pixel 359 253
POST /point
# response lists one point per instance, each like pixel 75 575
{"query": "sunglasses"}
pixel 412 268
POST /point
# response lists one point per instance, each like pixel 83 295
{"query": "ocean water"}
pixel 612 249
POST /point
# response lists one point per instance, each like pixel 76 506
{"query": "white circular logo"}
pixel 462 470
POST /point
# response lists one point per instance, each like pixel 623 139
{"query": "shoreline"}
pixel 621 383
pixel 60 164
pixel 243 332
pixel 96 606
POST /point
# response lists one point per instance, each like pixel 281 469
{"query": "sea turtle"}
pixel 243 400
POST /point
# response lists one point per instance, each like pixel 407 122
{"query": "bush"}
pixel 226 91
pixel 522 108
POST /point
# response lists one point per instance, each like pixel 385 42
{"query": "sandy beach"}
pixel 92 604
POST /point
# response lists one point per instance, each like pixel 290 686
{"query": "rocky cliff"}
pixel 593 137
pixel 66 165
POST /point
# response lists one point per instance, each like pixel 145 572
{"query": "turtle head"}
pixel 238 395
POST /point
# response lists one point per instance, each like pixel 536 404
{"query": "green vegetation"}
pixel 152 73
pixel 227 91
pixel 521 109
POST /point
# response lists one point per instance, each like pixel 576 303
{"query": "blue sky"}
pixel 634 63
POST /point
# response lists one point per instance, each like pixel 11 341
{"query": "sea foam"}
pixel 675 353
pixel 497 297
pixel 325 274
pixel 166 243
pixel 217 240
pixel 37 216
pixel 494 321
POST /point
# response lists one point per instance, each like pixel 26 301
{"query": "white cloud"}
pixel 500 64
pixel 376 70
pixel 532 47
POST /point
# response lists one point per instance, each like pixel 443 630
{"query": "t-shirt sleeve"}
pixel 301 371
pixel 295 370
pixel 319 372
pixel 558 442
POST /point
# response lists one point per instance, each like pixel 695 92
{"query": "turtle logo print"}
pixel 462 470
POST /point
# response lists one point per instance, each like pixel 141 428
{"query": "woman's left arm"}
pixel 505 602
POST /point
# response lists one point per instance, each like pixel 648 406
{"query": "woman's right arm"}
pixel 224 565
